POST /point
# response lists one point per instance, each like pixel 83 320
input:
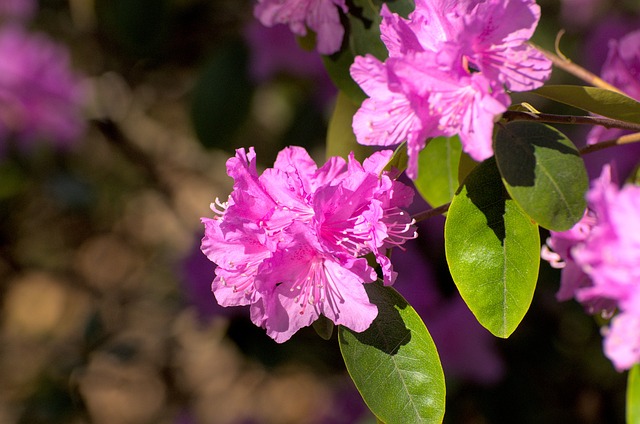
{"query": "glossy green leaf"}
pixel 493 250
pixel 438 165
pixel 597 100
pixel 340 137
pixel 633 395
pixel 543 172
pixel 394 363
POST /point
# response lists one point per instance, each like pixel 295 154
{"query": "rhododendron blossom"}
pixel 601 254
pixel 321 16
pixel 450 64
pixel 289 242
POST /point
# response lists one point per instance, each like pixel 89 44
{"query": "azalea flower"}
pixel 41 96
pixel 600 256
pixel 321 16
pixel 290 242
pixel 449 66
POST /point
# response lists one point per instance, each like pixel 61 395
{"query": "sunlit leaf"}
pixel 394 363
pixel 438 164
pixel 592 99
pixel 493 250
pixel 543 172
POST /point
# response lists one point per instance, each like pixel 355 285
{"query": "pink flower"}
pixel 601 254
pixel 448 67
pixel 40 95
pixel 622 70
pixel 321 16
pixel 290 242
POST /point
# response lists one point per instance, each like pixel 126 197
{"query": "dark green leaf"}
pixel 394 363
pixel 543 173
pixel 596 100
pixel 438 170
pixel 493 250
pixel 324 327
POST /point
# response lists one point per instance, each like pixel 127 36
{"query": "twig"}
pixel 625 139
pixel 512 115
pixel 421 216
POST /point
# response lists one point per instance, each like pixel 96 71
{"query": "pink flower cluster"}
pixel 41 97
pixel 289 242
pixel 321 16
pixel 600 259
pixel 449 66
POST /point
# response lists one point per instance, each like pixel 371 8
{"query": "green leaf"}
pixel 633 395
pixel 543 172
pixel 596 100
pixel 399 159
pixel 324 327
pixel 438 165
pixel 493 250
pixel 340 137
pixel 394 363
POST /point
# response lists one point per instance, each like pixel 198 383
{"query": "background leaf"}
pixel 543 172
pixel 394 363
pixel 597 100
pixel 222 97
pixel 493 251
pixel 340 137
pixel 438 165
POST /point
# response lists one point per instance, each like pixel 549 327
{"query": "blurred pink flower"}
pixel 321 16
pixel 17 10
pixel 603 251
pixel 622 70
pixel 40 95
pixel 446 74
pixel 290 242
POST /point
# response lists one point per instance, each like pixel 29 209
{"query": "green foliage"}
pixel 362 37
pixel 222 97
pixel 493 250
pixel 633 395
pixel 394 363
pixel 596 100
pixel 340 137
pixel 438 165
pixel 543 172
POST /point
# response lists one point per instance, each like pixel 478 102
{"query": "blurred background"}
pixel 116 119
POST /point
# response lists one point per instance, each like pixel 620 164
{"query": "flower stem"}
pixel 512 115
pixel 430 213
pixel 625 139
